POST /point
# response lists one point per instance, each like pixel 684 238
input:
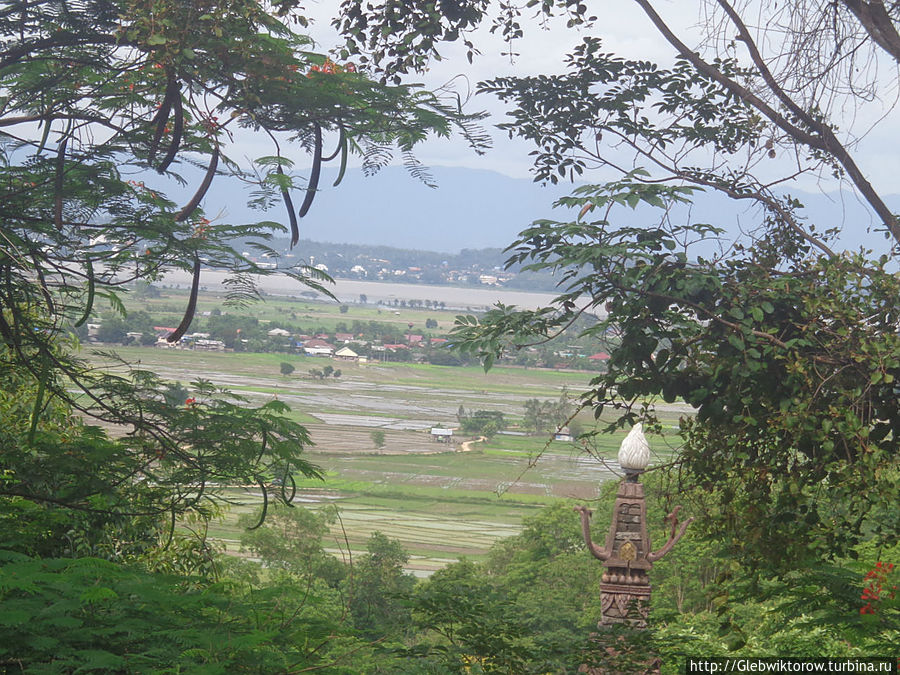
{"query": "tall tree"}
pixel 106 107
pixel 379 589
pixel 787 348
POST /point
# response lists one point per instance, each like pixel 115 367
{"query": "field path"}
pixel 467 445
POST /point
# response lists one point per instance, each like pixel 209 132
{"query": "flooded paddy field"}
pixel 440 502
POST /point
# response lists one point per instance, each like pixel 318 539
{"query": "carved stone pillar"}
pixel 627 556
pixel 625 585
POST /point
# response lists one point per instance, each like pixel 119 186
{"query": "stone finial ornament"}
pixel 627 556
pixel 634 453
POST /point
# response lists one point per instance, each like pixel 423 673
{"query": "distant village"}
pixel 485 267
pixel 379 269
pixel 336 345
pixel 359 342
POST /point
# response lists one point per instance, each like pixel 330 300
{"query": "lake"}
pixel 349 290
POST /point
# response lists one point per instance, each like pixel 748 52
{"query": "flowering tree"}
pixel 105 107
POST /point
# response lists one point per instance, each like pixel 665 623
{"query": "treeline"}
pixel 531 606
pixel 339 254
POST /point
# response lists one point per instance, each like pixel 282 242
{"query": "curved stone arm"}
pixel 596 551
pixel 673 538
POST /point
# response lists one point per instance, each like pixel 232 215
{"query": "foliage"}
pixel 290 539
pixel 63 615
pixel 109 497
pixel 880 593
pixel 107 108
pixel 286 368
pixel 541 416
pixel 378 588
pixel 480 422
pixel 792 371
pixel 787 348
pixel 468 627
pixel 533 605
pixel 378 438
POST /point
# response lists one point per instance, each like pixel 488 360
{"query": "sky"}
pixel 626 31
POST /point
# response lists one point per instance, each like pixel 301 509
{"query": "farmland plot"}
pixel 439 502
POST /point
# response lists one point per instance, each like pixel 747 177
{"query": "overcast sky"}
pixel 625 30
pixel 627 33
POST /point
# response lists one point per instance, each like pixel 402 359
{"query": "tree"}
pixel 146 290
pixel 108 105
pixel 541 416
pixel 107 108
pixel 486 422
pixel 291 540
pixel 286 368
pixel 787 349
pixel 379 589
pixel 106 632
pixel 112 328
pixel 465 624
pixel 378 438
pixel 175 394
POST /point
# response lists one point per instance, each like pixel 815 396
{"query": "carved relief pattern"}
pixel 624 604
pixel 628 527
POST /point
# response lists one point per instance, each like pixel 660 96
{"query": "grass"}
pixel 309 314
pixel 470 378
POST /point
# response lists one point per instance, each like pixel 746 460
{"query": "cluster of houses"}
pixel 365 266
pixel 329 346
pixel 197 341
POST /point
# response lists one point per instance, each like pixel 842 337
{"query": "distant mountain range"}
pixel 476 209
pixel 471 209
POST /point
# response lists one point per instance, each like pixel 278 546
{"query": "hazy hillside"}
pixel 474 209
pixel 469 209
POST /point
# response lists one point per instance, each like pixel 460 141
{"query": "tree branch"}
pixel 874 18
pixel 823 137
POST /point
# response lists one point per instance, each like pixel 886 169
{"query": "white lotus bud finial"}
pixel 634 453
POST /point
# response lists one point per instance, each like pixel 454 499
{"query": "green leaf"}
pixel 736 341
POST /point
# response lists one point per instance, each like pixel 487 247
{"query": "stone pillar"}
pixel 625 585
pixel 627 556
